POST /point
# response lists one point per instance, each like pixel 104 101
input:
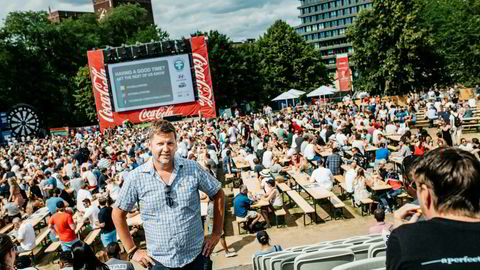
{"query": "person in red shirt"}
pixel 61 224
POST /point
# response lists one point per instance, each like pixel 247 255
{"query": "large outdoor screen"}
pixel 151 83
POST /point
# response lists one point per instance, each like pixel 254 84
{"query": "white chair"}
pixel 356 241
pixel 374 235
pixel 360 251
pixel 337 246
pixel 298 248
pixel 265 259
pixel 337 242
pixel 315 248
pixel 374 240
pixel 365 264
pixel 323 259
pixel 276 261
pixel 377 249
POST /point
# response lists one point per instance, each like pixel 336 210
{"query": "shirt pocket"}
pixel 186 195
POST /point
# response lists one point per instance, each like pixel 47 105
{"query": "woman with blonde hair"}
pixel 15 193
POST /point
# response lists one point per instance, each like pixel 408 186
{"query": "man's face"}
pixel 163 147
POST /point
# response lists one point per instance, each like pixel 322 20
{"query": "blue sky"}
pixel 239 19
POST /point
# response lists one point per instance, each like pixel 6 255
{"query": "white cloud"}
pixel 239 19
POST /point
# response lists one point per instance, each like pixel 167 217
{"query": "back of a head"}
pixel 66 258
pixel 453 175
pixel 85 259
pixel 113 250
pixel 263 238
pixel 379 214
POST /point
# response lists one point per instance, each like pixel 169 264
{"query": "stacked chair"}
pixel 355 253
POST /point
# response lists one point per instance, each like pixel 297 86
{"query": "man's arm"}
pixel 218 217
pixel 119 218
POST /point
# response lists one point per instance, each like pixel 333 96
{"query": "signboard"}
pixel 343 73
pixel 204 105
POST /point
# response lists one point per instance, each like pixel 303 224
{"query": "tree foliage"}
pixel 40 61
pixel 455 25
pixel 84 99
pixel 286 61
pixel 394 50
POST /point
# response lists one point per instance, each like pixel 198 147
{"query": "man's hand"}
pixel 141 256
pixel 408 210
pixel 210 243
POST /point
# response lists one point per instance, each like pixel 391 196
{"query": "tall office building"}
pixel 324 23
pixel 101 7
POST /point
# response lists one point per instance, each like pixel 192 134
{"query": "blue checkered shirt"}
pixel 174 234
pixel 334 161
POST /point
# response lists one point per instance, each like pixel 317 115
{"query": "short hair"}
pixel 60 205
pixel 243 188
pixel 263 237
pixel 86 200
pixel 113 250
pixel 379 214
pixel 102 201
pixel 66 256
pixel 161 126
pixel 453 175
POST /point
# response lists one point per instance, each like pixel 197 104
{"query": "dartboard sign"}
pixel 23 120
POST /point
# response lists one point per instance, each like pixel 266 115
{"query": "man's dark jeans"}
pixel 200 262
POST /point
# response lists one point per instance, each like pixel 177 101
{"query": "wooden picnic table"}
pixel 241 163
pixel 258 203
pixel 378 187
pixel 394 137
pixel 251 181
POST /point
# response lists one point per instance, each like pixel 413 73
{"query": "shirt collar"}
pixel 178 163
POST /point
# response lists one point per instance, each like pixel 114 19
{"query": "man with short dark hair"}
pixel 381 225
pixel 108 234
pixel 448 183
pixel 66 260
pixel 115 262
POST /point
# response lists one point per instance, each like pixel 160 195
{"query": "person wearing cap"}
pixel 62 225
pixel 265 247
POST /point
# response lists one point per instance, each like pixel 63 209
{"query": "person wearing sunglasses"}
pixel 166 188
pixel 447 181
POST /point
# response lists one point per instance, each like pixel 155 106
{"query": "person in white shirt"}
pixel 375 135
pixel 267 160
pixel 232 133
pixel 25 235
pixel 391 128
pixel 90 177
pixel 350 176
pixel 358 143
pixel 91 213
pixel 249 158
pixel 82 194
pixel 309 152
pixel 341 138
pixel 323 176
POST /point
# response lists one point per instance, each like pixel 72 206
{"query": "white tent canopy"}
pixel 322 91
pixel 290 94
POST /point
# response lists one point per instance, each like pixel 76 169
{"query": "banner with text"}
pixel 204 105
pixel 343 73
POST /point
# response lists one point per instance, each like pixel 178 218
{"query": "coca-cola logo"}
pixel 205 92
pixel 100 85
pixel 160 113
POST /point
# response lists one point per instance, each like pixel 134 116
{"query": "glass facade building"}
pixel 324 23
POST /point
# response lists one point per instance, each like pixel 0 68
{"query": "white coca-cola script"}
pixel 100 85
pixel 205 92
pixel 160 113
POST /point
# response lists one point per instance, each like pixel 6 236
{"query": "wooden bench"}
pixel 53 247
pixel 280 213
pixel 404 197
pixel 366 206
pixel 338 206
pixel 303 204
pixel 240 221
pixel 7 228
pixel 92 236
pixel 340 179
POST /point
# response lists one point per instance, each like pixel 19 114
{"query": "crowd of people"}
pixel 163 173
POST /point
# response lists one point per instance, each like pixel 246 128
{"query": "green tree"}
pixel 455 25
pixel 394 52
pixel 287 61
pixel 84 99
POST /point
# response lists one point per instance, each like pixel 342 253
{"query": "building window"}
pixel 320 26
pixel 342 31
pixel 334 23
pixel 333 14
